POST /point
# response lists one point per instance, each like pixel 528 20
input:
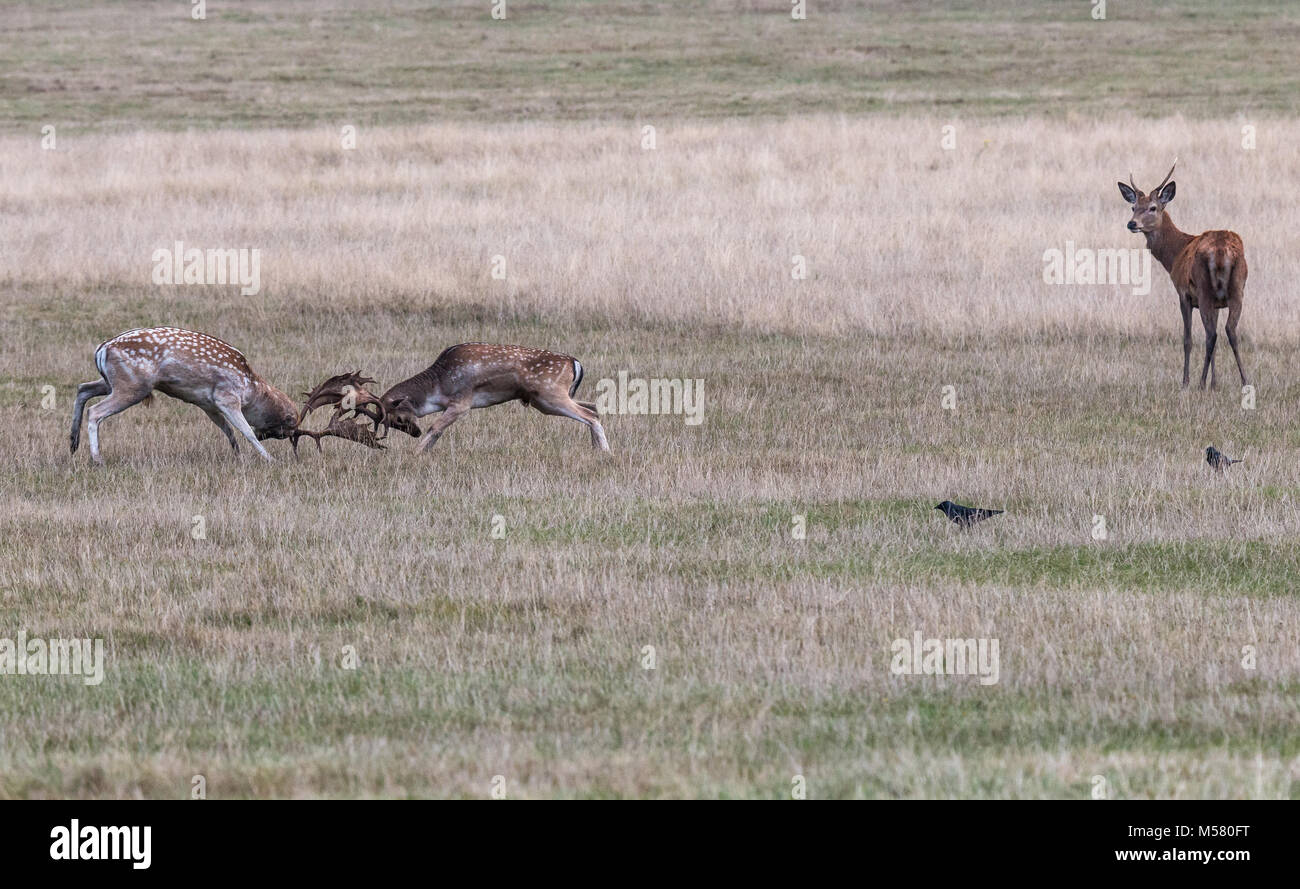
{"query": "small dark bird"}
pixel 1217 459
pixel 966 515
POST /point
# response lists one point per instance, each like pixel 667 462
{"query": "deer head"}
pixel 406 400
pixel 1148 211
pixel 271 413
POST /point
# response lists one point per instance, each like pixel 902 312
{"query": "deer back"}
pixel 184 364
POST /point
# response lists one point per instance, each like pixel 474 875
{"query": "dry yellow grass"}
pixel 522 657
pixel 899 235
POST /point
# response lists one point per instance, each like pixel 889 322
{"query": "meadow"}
pixel 652 622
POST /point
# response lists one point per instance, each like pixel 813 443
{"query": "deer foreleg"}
pixel 215 416
pixel 451 414
pixel 235 417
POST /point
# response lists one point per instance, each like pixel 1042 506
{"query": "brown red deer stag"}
pixel 1208 270
pixel 473 375
pixel 203 371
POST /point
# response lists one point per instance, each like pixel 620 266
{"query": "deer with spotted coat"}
pixel 476 375
pixel 201 370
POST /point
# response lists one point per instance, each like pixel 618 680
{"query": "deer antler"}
pixel 350 387
pixel 352 430
pixel 348 393
pixel 1168 176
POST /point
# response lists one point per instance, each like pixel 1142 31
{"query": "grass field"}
pixel 273 63
pixel 524 656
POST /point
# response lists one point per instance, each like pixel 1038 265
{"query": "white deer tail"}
pixel 99 359
pixel 577 377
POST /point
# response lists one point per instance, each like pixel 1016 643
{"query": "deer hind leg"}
pixel 1210 318
pixel 85 392
pixel 229 409
pixel 450 414
pixel 117 401
pixel 583 412
pixel 1234 315
pixel 215 416
pixel 1186 306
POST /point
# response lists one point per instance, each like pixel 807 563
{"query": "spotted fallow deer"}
pixel 198 369
pixel 474 375
pixel 1208 270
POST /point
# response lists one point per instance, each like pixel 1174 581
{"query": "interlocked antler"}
pixel 352 430
pixel 348 393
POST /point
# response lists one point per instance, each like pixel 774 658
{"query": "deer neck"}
pixel 1167 241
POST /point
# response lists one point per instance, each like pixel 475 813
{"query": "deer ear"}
pixel 1167 193
pixel 1129 194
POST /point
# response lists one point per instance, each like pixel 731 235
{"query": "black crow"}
pixel 965 515
pixel 1217 459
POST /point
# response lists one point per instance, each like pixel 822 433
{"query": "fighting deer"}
pixel 1208 270
pixel 198 369
pixel 473 375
